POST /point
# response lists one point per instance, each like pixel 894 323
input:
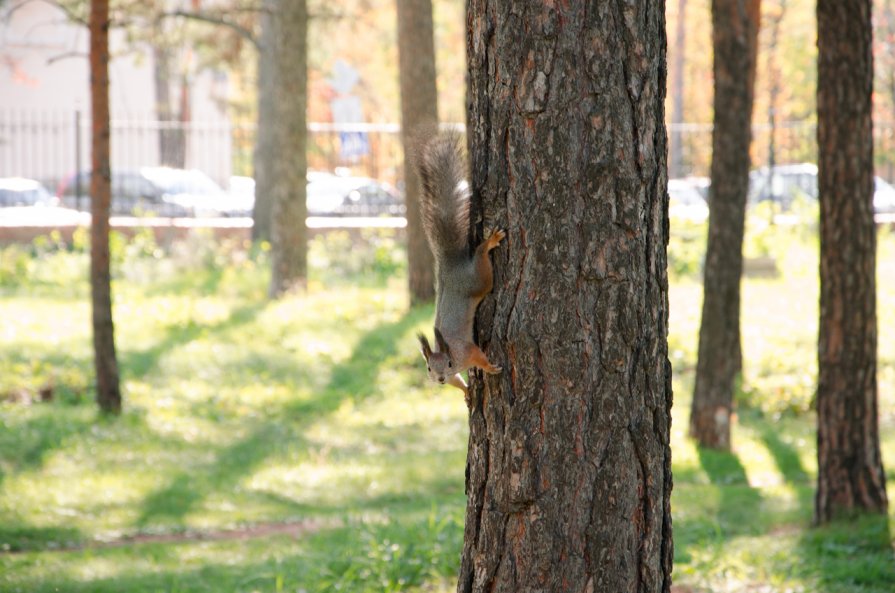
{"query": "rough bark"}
pixel 850 472
pixel 265 131
pixel 108 394
pixel 676 166
pixel 569 467
pixel 419 107
pixel 735 40
pixel 288 185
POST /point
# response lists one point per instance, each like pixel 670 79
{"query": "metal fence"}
pixel 51 146
pixel 787 143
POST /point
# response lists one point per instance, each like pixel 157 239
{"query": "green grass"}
pixel 242 412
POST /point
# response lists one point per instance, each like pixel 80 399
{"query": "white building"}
pixel 44 82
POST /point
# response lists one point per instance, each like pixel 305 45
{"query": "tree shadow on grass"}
pixel 847 555
pixel 139 364
pixel 786 457
pixel 738 502
pixel 25 445
pixel 354 379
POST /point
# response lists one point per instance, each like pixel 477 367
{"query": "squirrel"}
pixel 462 281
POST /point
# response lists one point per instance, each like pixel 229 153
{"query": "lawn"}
pixel 294 445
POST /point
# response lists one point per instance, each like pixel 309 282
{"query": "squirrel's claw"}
pixel 495 237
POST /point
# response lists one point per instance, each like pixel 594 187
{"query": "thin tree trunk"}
pixel 850 472
pixel 676 167
pixel 163 111
pixel 289 165
pixel 774 77
pixel 569 467
pixel 266 128
pixel 108 394
pixel 735 40
pixel 419 107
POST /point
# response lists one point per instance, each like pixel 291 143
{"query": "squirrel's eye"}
pixel 449 364
pixel 429 369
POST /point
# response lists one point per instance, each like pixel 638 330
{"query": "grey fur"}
pixel 445 197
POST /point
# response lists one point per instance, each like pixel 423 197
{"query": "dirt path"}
pixel 260 530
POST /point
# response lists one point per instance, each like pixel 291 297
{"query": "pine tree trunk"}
pixel 850 471
pixel 108 394
pixel 289 166
pixel 266 128
pixel 735 41
pixel 569 466
pixel 419 107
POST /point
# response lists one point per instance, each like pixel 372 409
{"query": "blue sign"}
pixel 353 145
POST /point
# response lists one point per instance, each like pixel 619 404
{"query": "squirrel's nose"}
pixel 441 379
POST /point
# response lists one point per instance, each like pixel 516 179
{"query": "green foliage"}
pixel 686 248
pixel 372 256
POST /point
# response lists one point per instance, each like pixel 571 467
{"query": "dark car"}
pixel 132 193
pixel 336 195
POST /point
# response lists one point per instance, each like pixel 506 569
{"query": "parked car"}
pixel 132 193
pixel 785 183
pixel 242 195
pixel 162 191
pixel 883 196
pixel 194 191
pixel 336 195
pixel 19 191
pixel 685 201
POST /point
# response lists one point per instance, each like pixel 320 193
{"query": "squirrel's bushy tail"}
pixel 444 201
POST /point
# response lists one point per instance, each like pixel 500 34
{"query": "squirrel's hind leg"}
pixel 479 359
pixel 484 274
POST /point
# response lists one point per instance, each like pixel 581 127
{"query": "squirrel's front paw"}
pixel 495 237
pixel 493 369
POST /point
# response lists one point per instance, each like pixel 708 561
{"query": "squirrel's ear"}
pixel 442 343
pixel 425 349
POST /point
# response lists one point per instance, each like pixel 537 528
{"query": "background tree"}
pixel 569 468
pixel 676 166
pixel 419 106
pixel 774 82
pixel 264 154
pixel 108 393
pixel 735 42
pixel 288 186
pixel 850 472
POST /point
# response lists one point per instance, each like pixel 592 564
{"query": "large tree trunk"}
pixel 735 40
pixel 850 472
pixel 290 164
pixel 108 394
pixel 569 466
pixel 419 107
pixel 266 128
pixel 676 167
